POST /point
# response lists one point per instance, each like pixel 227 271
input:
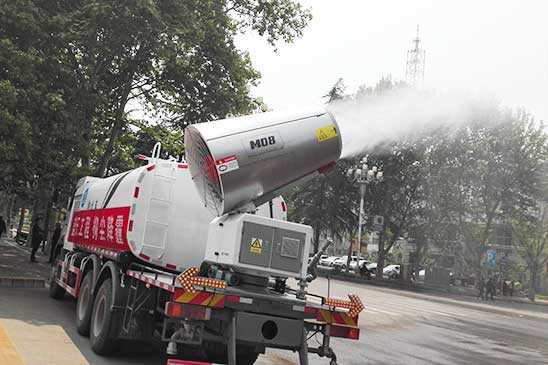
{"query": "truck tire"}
pixel 55 291
pixel 84 305
pixel 103 321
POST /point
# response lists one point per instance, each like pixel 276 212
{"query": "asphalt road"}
pixel 396 328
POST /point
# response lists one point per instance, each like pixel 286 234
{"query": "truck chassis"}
pixel 121 299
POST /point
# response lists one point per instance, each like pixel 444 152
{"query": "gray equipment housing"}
pixel 254 158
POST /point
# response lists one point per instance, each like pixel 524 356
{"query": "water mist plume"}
pixel 370 121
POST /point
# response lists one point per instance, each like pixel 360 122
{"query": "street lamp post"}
pixel 362 175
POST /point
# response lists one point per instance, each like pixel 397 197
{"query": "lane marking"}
pixel 8 352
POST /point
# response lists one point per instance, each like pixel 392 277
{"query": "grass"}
pixel 541 297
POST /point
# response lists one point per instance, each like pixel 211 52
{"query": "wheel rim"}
pixel 99 318
pixel 83 302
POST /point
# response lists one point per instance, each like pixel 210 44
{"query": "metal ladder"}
pixel 162 176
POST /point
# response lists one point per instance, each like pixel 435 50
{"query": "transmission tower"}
pixel 416 57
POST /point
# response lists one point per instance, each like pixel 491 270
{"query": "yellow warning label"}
pixel 256 245
pixel 326 133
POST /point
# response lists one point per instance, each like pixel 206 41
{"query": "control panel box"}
pixel 259 246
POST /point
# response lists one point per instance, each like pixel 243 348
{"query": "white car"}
pixel 392 271
pixel 340 263
pixel 320 260
pixel 358 264
pixel 328 260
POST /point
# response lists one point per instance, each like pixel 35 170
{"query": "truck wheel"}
pixel 84 305
pixel 103 321
pixel 55 291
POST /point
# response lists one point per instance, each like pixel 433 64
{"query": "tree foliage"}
pixel 71 70
pixel 447 190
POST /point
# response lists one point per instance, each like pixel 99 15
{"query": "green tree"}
pixel 69 69
pixel 532 244
pixel 39 138
pixel 336 92
pixel 177 56
pixel 327 203
pixel 398 197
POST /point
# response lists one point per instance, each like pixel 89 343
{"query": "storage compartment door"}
pixel 256 244
pixel 288 250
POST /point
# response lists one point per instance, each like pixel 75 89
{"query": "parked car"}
pixel 341 262
pixel 311 257
pixel 391 271
pixel 362 268
pixel 328 260
pixel 358 264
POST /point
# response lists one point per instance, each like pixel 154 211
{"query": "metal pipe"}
pixel 362 196
pixel 312 274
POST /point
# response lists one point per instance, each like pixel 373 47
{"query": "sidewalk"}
pixel 16 270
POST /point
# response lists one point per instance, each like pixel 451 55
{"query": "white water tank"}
pixel 152 212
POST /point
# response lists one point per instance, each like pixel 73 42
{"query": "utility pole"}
pixel 363 176
pixel 416 59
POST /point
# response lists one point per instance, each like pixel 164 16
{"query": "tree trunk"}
pixel 119 114
pixel 318 225
pixel 485 234
pixel 86 137
pixel 317 230
pixel 21 219
pixel 382 233
pixel 34 213
pixel 533 280
pixel 349 257
pixel 107 155
pixel 11 203
pixel 380 259
pixel 47 221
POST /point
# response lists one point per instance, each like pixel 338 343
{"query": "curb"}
pixel 22 282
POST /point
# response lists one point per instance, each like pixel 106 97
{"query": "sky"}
pixel 498 48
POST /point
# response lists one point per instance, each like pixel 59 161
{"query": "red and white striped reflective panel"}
pixel 63 282
pixel 150 281
pixel 236 299
pixel 101 251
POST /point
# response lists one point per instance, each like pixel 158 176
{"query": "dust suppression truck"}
pixel 197 255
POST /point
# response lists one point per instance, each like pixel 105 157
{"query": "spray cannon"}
pixel 240 163
pixel 251 159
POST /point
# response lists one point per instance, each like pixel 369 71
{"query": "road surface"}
pixel 396 328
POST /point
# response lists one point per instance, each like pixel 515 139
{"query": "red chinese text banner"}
pixel 103 228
